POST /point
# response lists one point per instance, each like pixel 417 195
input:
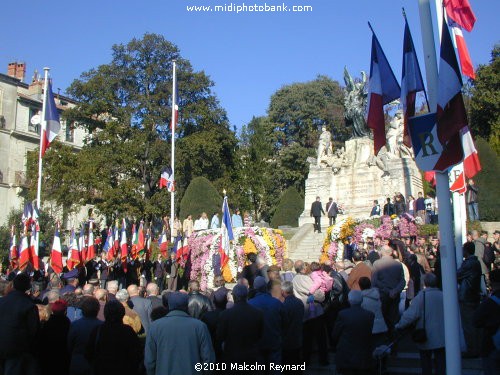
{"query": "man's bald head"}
pixel 133 290
pixel 152 289
pixel 299 266
pixel 101 294
pixel 386 251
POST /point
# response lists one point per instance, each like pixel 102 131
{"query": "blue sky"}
pixel 248 55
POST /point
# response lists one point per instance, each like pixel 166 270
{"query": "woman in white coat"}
pixel 434 325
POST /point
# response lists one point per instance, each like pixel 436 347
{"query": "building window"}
pixel 70 132
pixel 33 128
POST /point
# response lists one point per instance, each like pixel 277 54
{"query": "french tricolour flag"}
pixel 451 115
pixel 51 125
pixel 383 88
pixel 471 159
pixel 463 52
pixel 34 245
pixel 74 256
pixel 108 245
pixel 411 81
pixel 226 234
pixel 91 244
pixel 163 243
pixel 82 244
pixel 13 256
pixel 24 252
pixel 167 179
pixel 56 254
pixel 124 246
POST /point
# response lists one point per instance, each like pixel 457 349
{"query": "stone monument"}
pixel 352 175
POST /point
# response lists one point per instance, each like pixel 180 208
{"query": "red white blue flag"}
pixel 13 255
pixel 411 81
pixel 56 253
pixel 124 246
pixel 461 12
pixel 167 179
pixel 383 88
pixel 91 243
pixel 163 243
pixel 50 124
pixel 74 256
pixel 34 246
pixel 24 252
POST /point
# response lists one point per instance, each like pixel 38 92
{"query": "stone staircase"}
pixel 306 244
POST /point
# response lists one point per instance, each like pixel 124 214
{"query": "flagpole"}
pixel 43 126
pixel 172 156
pixel 448 260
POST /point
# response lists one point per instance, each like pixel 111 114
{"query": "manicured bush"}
pixel 200 196
pixel 289 209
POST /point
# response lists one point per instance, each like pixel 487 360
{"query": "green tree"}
pixel 4 246
pixel 485 101
pixel 289 209
pixel 200 196
pixel 300 110
pixel 126 108
pixel 487 182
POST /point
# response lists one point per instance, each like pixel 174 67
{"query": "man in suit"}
pixel 240 329
pixel 352 336
pixel 153 292
pixel 332 211
pixel 316 212
pixel 159 272
pixel 141 306
pixel 389 208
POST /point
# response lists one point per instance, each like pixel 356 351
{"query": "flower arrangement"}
pixel 204 247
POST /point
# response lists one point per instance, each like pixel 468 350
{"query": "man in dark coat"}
pixel 19 325
pixel 251 270
pixel 316 212
pixel 159 272
pixel 332 211
pixel 142 306
pixel 469 295
pixel 353 338
pixel 292 332
pixel 389 208
pixel 240 329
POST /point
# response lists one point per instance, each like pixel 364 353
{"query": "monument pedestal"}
pixel 354 178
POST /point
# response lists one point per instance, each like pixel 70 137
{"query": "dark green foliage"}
pixel 4 246
pixel 485 101
pixel 487 182
pixel 289 209
pixel 200 196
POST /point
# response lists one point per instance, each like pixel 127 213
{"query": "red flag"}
pixel 91 244
pixel 34 242
pixel 74 256
pixel 383 88
pixel 163 243
pixel 460 12
pixel 124 246
pixel 24 253
pixel 56 254
pixel 471 159
pixel 13 256
pixel 463 53
pixel 140 238
pixel 430 176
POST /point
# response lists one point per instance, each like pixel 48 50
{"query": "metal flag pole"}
pixel 172 156
pixel 43 124
pixel 447 253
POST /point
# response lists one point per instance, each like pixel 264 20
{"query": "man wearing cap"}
pixel 71 278
pixel 177 342
pixel 316 212
pixel 240 329
pixel 19 325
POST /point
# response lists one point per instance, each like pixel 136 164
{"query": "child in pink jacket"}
pixel 321 280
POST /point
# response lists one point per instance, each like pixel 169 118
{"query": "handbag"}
pixel 419 335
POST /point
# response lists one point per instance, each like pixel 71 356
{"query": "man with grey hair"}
pixel 141 306
pixel 292 332
pixel 352 335
pixel 179 336
pixel 112 288
pixel 88 290
pixel 131 318
pixel 52 295
pixel 153 291
pixel 388 276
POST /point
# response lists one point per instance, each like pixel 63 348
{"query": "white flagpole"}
pixel 43 126
pixel 172 156
pixel 448 260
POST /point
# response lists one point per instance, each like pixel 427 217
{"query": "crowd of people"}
pixel 275 319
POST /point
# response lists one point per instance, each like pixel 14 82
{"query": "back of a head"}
pixel 53 295
pixel 178 301
pixel 193 286
pixel 430 280
pixel 259 284
pixel 112 286
pixel 59 307
pixel 355 297
pixel 88 290
pixel 133 290
pixel 469 248
pixel 219 281
pixel 122 295
pixel 114 312
pixel 252 257
pixel 89 306
pixel 386 251
pixel 299 266
pixel 240 293
pixel 101 294
pixel 315 266
pixel 158 312
pixel 152 289
pixel 364 283
pixel 22 282
pixel 287 287
pixel 357 257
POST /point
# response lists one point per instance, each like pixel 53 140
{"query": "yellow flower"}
pixel 249 246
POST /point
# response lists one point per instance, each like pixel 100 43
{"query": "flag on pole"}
pixel 24 252
pixel 430 176
pixel 226 234
pixel 50 124
pixel 167 179
pixel 463 52
pixel 383 88
pixel 56 253
pixel 82 244
pixel 461 12
pixel 133 249
pixel 34 245
pixel 140 238
pixel 149 242
pixel 74 256
pixel 91 243
pixel 471 159
pixel 109 244
pixel 124 246
pixel 116 238
pixel 451 115
pixel 457 179
pixel 13 256
pixel 163 243
pixel 411 81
